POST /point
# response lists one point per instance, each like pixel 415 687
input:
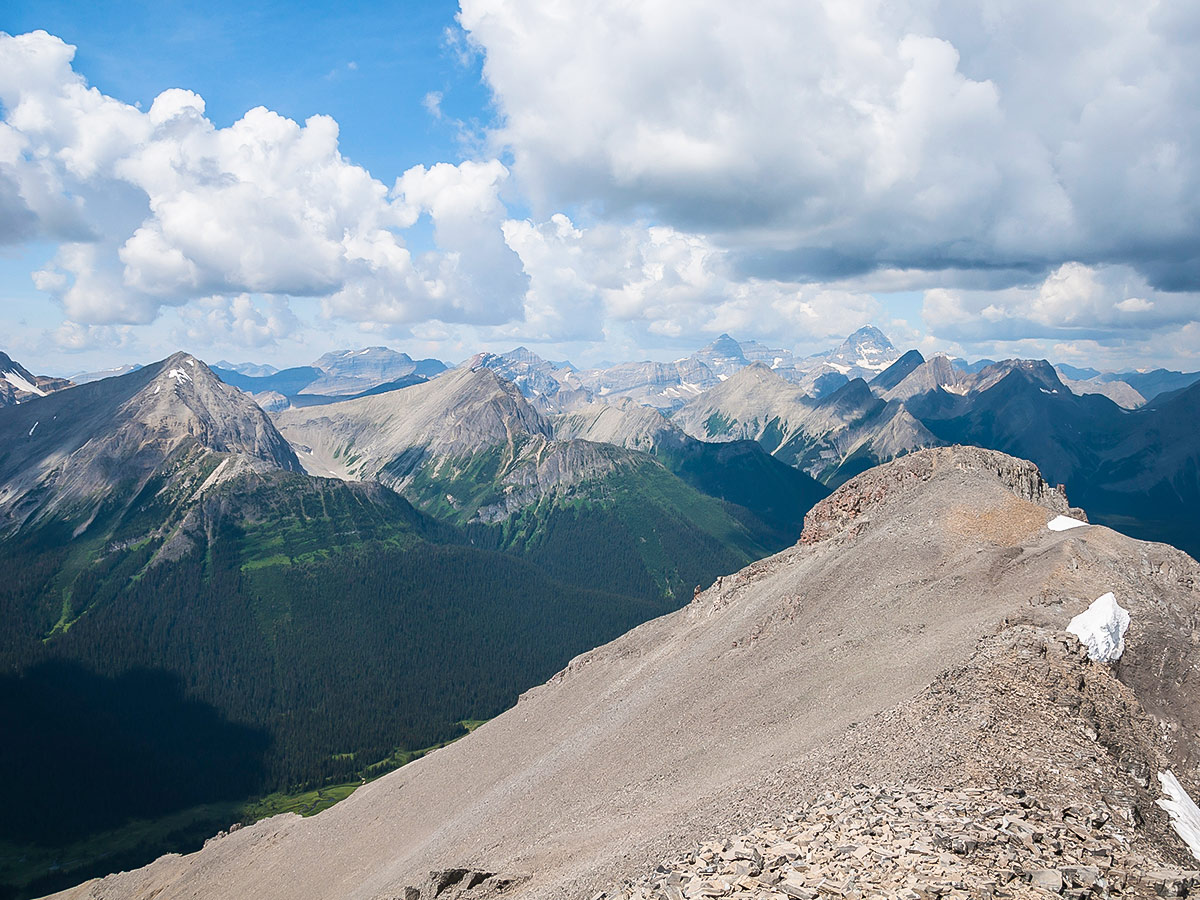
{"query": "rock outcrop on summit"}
pixel 900 680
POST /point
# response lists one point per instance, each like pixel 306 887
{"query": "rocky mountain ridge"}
pixel 830 438
pixel 392 434
pixel 18 384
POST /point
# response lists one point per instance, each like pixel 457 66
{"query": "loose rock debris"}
pixel 918 844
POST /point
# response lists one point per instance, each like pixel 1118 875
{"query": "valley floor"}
pixel 30 870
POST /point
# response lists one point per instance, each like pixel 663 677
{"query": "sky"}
pixel 599 180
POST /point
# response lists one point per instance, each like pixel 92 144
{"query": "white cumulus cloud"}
pixel 1073 301
pixel 240 321
pixel 162 207
pixel 831 137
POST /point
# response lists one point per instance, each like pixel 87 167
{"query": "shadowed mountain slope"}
pixel 740 472
pixel 849 427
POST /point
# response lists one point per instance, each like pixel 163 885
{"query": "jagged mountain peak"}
pixel 725 346
pixel 868 338
pixel 182 398
pixel 932 374
pixel 897 371
pixel 525 355
pixel 551 387
pixel 754 380
pixel 855 394
pixel 521 356
pixel 866 352
pixel 462 412
pixel 8 365
pixel 101 442
pixel 1037 372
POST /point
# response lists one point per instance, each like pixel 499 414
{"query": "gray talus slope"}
pixel 625 423
pixel 754 695
pixel 459 413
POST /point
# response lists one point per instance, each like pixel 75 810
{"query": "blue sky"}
pixel 598 181
pixel 370 66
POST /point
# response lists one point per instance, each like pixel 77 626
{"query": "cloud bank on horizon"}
pixel 762 169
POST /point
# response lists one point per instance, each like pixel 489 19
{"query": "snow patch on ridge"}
pixel 22 385
pixel 1185 817
pixel 179 375
pixel 1064 523
pixel 1101 628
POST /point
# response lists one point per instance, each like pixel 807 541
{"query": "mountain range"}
pixel 561 387
pixel 1136 469
pixel 172 565
pixel 264 561
pixel 899 698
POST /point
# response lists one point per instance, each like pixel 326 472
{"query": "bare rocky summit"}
pixel 69 453
pixel 899 684
pixel 462 412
